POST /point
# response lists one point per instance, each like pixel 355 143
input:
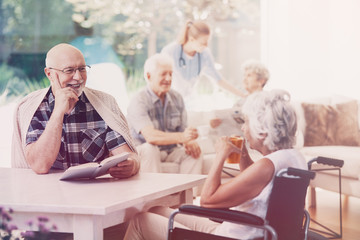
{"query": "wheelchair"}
pixel 286 217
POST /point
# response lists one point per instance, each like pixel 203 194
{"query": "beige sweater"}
pixel 103 103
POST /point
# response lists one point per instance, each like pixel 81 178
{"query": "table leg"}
pixel 88 227
pixel 187 196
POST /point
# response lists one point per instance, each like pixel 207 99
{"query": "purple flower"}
pixel 29 223
pixel 4 225
pixel 6 216
pixel 28 234
pixel 12 227
pixel 54 227
pixel 43 228
pixel 7 228
pixel 43 219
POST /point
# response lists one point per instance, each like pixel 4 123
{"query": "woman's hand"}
pixel 224 147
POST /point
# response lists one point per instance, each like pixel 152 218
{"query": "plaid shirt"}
pixel 85 135
pixel 146 109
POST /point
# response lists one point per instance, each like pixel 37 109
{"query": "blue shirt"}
pixel 184 77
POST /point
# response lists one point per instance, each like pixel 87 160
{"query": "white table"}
pixel 87 207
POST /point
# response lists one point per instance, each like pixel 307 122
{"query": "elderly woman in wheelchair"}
pixel 270 127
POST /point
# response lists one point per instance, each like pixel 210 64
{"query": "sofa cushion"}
pixel 331 124
pixel 349 154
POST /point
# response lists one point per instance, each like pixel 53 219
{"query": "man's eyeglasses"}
pixel 71 70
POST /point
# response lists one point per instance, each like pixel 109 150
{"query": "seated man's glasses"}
pixel 70 70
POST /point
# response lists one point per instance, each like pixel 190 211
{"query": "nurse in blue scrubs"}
pixel 192 57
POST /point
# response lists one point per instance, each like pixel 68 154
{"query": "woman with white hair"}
pixel 255 77
pixel 270 126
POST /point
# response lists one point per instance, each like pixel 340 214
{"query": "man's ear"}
pixel 148 75
pixel 48 75
pixel 47 72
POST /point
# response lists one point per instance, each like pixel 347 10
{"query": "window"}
pixel 119 31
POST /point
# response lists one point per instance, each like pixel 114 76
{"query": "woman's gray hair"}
pixel 257 67
pixel 270 114
pixel 154 61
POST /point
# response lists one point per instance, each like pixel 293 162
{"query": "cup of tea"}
pixel 235 157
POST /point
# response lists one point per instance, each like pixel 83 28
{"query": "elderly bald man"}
pixel 69 124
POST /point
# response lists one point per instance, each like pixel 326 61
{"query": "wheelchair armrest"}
pixel 301 173
pixel 327 161
pixel 222 214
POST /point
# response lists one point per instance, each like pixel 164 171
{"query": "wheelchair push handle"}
pixel 300 173
pixel 327 161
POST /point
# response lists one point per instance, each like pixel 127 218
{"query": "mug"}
pixel 235 157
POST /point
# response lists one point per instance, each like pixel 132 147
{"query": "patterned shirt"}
pixel 147 109
pixel 85 135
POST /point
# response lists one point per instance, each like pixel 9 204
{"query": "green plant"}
pixel 135 80
pixel 15 83
pixel 21 87
pixel 6 74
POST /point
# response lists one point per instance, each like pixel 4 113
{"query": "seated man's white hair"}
pixel 157 59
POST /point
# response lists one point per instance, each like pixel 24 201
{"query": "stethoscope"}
pixel 182 62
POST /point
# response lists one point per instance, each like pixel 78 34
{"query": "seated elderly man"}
pixel 69 124
pixel 158 120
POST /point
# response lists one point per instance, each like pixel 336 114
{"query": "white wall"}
pixel 312 47
pixel 236 44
